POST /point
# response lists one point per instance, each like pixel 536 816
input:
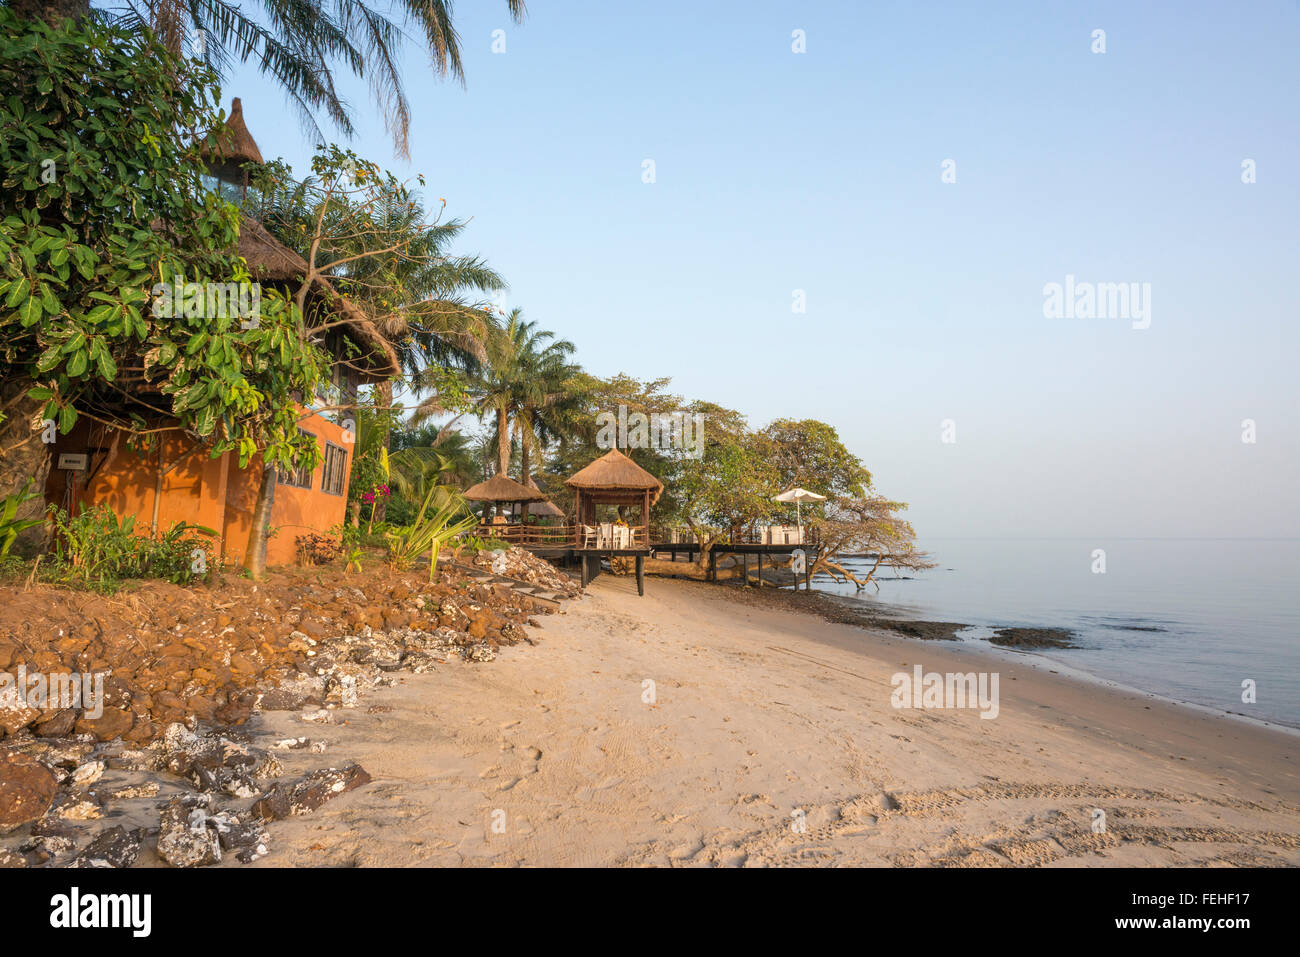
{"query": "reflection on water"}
pixel 1190 619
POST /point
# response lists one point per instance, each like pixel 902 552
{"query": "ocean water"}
pixel 1186 619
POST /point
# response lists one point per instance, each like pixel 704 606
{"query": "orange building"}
pixel 179 480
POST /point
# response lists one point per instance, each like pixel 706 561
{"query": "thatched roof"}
pixel 233 147
pixel 502 488
pixel 545 510
pixel 270 260
pixel 614 471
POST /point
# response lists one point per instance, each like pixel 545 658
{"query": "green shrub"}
pixel 96 549
pixel 10 526
pixel 429 532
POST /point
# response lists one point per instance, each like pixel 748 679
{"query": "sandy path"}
pixel 759 715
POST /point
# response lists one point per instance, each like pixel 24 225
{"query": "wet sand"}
pixel 768 737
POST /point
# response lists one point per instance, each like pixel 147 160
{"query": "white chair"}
pixel 589 536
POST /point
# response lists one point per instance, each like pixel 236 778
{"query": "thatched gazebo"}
pixel 614 479
pixel 502 490
pixel 546 509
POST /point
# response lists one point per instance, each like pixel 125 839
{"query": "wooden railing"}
pixel 572 535
pixel 756 535
pixel 556 536
pixel 566 536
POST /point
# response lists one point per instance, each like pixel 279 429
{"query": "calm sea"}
pixel 1187 619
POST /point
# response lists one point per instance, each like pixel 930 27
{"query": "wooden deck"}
pixel 569 543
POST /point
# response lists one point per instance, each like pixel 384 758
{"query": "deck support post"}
pixel 760 569
pixel 640 574
pixel 713 565
pixel 590 568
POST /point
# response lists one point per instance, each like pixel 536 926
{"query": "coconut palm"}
pixel 300 44
pixel 521 389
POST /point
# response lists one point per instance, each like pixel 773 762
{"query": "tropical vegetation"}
pixel 104 199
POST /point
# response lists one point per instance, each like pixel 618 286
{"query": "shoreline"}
pixel 1036 656
pixel 758 715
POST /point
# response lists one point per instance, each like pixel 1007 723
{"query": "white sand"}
pixel 761 714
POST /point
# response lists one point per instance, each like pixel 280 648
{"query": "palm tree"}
pixel 297 43
pixel 414 453
pixel 521 388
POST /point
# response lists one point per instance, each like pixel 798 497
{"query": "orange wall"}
pixel 297 510
pixel 196 489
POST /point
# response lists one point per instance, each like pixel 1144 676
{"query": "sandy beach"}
pixel 768 738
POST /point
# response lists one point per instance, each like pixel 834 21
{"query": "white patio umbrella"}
pixel 798 496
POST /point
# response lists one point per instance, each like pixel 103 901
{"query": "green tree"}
pixel 102 206
pixel 870 524
pixel 729 485
pixel 526 380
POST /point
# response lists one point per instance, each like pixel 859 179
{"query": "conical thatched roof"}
pixel 233 147
pixel 502 488
pixel 615 471
pixel 545 510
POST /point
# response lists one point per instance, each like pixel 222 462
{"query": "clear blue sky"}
pixel 821 171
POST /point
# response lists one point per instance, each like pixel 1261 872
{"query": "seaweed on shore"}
pixel 1033 637
pixel 926 630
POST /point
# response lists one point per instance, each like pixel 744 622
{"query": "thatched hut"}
pixel 545 510
pixel 227 152
pixel 613 479
pixel 269 260
pixel 502 490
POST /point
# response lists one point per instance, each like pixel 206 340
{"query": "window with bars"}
pixel 335 477
pixel 298 478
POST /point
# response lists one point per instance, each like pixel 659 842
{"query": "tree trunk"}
pixel 503 441
pixel 523 459
pixel 24 456
pixel 384 401
pixel 255 553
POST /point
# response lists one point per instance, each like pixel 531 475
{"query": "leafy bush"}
pixel 101 205
pixel 98 550
pixel 429 532
pixel 11 526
